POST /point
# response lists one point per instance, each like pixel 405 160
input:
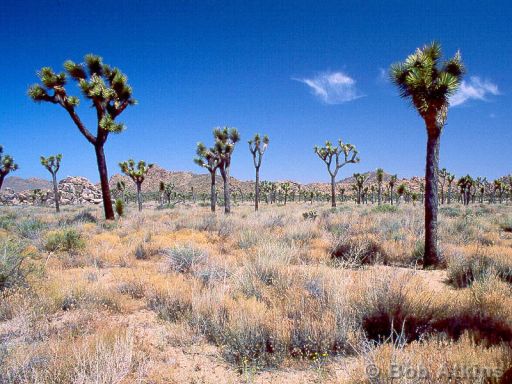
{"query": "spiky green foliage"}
pixel 137 172
pixel 427 81
pixel 107 88
pixel 7 165
pixel 257 147
pixel 51 163
pixel 225 141
pixel 206 158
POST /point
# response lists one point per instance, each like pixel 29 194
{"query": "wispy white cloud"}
pixel 332 87
pixel 383 76
pixel 474 89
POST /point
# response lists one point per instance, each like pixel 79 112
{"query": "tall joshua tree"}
pixel 450 178
pixel 225 141
pixel 52 164
pixel 360 179
pixel 331 152
pixel 109 93
pixel 207 158
pixel 257 146
pixel 391 183
pixel 428 83
pixel 7 165
pixel 380 178
pixel 137 173
pixel 443 176
pixel 286 187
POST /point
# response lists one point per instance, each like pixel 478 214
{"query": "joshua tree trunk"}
pixel 449 194
pixel 105 189
pixel 379 194
pixel 1 180
pixel 333 191
pixel 227 197
pixel 391 195
pixel 56 192
pixel 257 190
pixel 431 256
pixel 139 197
pixel 213 192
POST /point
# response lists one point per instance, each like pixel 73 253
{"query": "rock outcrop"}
pixel 74 190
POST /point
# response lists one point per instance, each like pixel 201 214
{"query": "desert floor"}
pixel 185 296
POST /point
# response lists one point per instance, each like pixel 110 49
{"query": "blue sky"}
pixel 300 71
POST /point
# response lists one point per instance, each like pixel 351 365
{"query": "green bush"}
pixel 68 240
pixel 30 228
pixel 183 258
pixel 10 263
pixel 119 206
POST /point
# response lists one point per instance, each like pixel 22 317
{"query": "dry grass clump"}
pixel 435 360
pixel 472 263
pixel 183 259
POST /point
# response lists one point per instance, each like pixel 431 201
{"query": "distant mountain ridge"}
pixel 185 180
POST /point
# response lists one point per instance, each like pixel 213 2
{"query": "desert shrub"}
pixel 302 232
pixel 134 289
pixel 183 258
pixel 226 227
pixel 170 306
pixel 310 215
pixel 141 253
pixel 385 208
pixel 464 269
pixel 274 221
pixel 69 240
pixel 11 259
pixel 247 239
pixel 119 207
pixel 30 228
pixel 392 308
pixel 506 224
pixel 210 273
pixel 7 221
pixel 83 217
pixel 450 211
pixel 356 250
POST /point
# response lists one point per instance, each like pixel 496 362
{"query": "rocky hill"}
pixel 73 191
pixel 18 184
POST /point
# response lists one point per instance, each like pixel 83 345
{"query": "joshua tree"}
pixel 257 146
pixel 450 178
pixel 401 191
pixel 7 165
pixel 137 174
pixel 207 158
pixel 414 198
pixel 121 188
pixel 108 90
pixel 465 184
pixel 169 191
pixel 380 178
pixel 285 187
pixel 391 183
pixel 443 175
pixel 429 85
pixel 225 141
pixel 52 164
pixel 329 153
pixel 341 192
pixel 161 192
pixel 358 186
pixel 499 188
